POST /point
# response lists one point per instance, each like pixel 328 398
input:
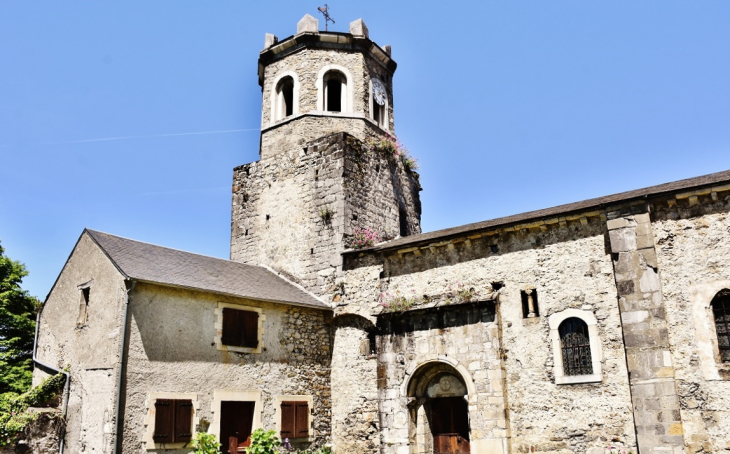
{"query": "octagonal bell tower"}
pixel 325 97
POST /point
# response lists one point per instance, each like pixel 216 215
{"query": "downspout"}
pixel 67 386
pixel 118 410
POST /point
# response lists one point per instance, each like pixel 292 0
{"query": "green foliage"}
pixel 14 416
pixel 205 443
pixel 17 327
pixel 263 442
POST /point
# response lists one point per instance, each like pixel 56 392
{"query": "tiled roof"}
pixel 151 263
pixel 561 210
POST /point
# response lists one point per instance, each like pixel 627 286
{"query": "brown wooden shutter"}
pixel 183 420
pixel 229 335
pixel 287 419
pixel 302 423
pixel 250 334
pixel 164 421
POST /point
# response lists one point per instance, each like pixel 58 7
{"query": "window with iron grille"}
pixel 576 347
pixel 721 310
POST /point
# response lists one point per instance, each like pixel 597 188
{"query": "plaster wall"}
pixel 692 245
pixel 91 352
pixel 171 349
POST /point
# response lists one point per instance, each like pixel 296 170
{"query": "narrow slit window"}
pixel 403 221
pixel 576 347
pixel 721 311
pixel 530 308
pixel 83 306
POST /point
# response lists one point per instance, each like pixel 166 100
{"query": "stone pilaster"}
pixel 644 322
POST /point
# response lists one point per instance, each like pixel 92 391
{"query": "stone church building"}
pixel 600 323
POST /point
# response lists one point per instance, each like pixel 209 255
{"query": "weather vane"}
pixel 324 10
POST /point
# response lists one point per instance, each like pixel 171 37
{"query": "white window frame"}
pixel 219 345
pixel 276 98
pixel 347 94
pixel 294 398
pixel 595 342
pixel 149 420
pixel 386 108
pixel 705 332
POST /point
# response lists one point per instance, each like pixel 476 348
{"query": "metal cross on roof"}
pixel 324 10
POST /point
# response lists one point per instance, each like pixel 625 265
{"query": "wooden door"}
pixel 450 425
pixel 236 422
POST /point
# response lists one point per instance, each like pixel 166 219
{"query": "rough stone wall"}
pixel 355 419
pixel 692 237
pixel 570 267
pixel 307 64
pixel 171 348
pixel 91 352
pixel 470 345
pixel 294 211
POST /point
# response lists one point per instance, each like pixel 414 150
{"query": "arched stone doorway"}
pixel 439 411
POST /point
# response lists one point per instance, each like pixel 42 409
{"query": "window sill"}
pixel 578 379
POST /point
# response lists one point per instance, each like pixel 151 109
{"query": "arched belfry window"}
pixel 721 312
pixel 575 347
pixel 284 96
pixel 335 89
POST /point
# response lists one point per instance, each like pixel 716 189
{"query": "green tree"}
pixel 17 327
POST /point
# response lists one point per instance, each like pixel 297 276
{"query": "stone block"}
pixel 622 240
pixel 308 24
pixel 629 318
pixel 644 241
pixel 270 40
pixel 620 223
pixel 358 28
pixel 625 287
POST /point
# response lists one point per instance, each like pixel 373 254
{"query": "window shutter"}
pixel 164 421
pixel 250 334
pixel 302 424
pixel 183 420
pixel 229 335
pixel 287 419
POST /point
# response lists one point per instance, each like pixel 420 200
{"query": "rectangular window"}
pixel 530 308
pixel 240 328
pixel 83 306
pixel 173 421
pixel 294 420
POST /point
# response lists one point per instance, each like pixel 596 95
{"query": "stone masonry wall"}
pixel 692 236
pixel 295 359
pixel 307 64
pixel 294 211
pixel 90 351
pixel 569 266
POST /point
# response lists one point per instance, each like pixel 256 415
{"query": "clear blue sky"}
pixel 509 107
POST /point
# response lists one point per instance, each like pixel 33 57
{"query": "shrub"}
pixel 263 442
pixel 391 146
pixel 205 443
pixel 397 303
pixel 14 417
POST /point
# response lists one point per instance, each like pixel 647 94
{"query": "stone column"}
pixel 643 316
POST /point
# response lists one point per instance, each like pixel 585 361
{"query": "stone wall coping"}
pixel 324 40
pixel 715 182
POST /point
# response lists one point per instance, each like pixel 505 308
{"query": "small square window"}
pixel 240 328
pixel 173 421
pixel 294 419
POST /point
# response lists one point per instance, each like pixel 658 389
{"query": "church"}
pixel 596 325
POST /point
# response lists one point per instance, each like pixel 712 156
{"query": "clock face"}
pixel 379 93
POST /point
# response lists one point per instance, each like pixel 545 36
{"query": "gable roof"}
pixel 146 262
pixel 560 210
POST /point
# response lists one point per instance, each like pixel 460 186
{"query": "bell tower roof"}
pixel 309 36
